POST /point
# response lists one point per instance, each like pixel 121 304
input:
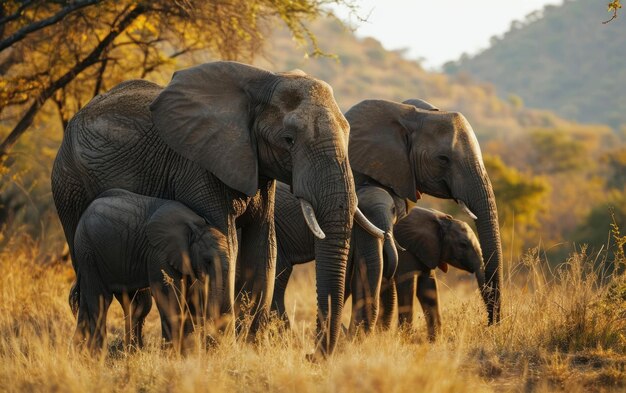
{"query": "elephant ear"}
pixel 421 104
pixel 379 144
pixel 421 234
pixel 204 114
pixel 170 230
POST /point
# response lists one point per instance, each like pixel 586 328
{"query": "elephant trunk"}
pixel 373 260
pixel 383 219
pixel 331 256
pixel 334 203
pixel 480 280
pixel 390 253
pixel 366 279
pixel 483 203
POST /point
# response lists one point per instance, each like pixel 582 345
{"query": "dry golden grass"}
pixel 563 330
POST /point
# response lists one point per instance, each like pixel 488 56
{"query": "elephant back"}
pixel 120 115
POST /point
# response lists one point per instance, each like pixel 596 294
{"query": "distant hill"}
pixel 363 69
pixel 562 58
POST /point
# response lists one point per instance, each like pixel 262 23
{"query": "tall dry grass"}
pixel 563 329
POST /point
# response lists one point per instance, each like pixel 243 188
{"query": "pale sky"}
pixel 439 30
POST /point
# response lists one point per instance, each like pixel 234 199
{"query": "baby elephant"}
pixel 125 243
pixel 431 239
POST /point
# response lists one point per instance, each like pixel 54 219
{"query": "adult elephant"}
pixel 411 151
pixel 371 257
pixel 216 138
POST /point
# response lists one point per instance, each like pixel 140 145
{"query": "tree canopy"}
pixel 70 50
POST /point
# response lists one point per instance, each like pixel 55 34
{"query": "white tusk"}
pixel 311 221
pixel 467 210
pixel 366 224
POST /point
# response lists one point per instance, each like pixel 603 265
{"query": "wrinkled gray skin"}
pixel 368 262
pixel 370 258
pixel 215 139
pixel 431 239
pixel 126 243
pixel 408 149
pixel 381 207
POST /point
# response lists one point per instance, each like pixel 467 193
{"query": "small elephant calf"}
pixel 432 239
pixel 126 243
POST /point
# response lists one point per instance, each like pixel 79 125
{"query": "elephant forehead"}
pixel 290 98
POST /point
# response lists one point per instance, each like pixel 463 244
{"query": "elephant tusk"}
pixel 366 224
pixel 467 210
pixel 311 221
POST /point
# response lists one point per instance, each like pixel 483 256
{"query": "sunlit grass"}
pixel 562 329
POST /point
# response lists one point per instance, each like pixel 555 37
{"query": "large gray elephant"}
pixel 125 243
pixel 371 258
pixel 428 239
pixel 215 139
pixel 411 151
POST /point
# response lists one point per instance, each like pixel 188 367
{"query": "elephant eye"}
pixel 289 141
pixel 443 159
pixel 464 245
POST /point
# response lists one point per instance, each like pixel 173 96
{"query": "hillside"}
pixel 562 59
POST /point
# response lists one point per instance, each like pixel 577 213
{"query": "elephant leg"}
pixel 405 287
pixel 428 297
pixel 93 305
pixel 71 201
pixel 389 303
pixel 136 306
pixel 176 323
pixel 257 257
pixel 283 273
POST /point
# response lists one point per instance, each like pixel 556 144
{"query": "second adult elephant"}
pixel 215 139
pixel 412 151
pixel 371 258
pixel 429 239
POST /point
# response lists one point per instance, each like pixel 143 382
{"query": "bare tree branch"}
pixel 62 81
pixel 99 78
pixel 16 14
pixel 22 33
pixel 614 5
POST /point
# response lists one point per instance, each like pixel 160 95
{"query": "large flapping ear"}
pixel 204 114
pixel 379 144
pixel 420 233
pixel 170 230
pixel 421 104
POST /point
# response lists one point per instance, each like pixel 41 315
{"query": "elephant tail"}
pixel 74 297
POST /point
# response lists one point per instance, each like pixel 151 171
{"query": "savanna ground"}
pixel 563 329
